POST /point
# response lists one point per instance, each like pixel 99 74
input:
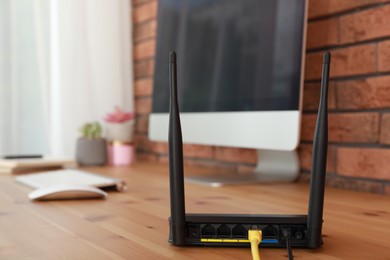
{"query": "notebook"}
pixel 70 176
pixel 31 165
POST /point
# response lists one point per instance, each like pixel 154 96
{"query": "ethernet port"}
pixel 223 231
pixel 270 232
pixel 208 231
pixel 239 231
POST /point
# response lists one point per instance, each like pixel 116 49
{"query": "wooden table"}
pixel 133 224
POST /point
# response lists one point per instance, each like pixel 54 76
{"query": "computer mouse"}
pixel 67 192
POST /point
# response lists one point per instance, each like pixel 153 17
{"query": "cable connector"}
pixel 255 237
pixel 286 232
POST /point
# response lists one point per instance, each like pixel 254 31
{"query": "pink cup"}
pixel 120 154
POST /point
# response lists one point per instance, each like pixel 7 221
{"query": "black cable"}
pixel 287 234
pixel 289 250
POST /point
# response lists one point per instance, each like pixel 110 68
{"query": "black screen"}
pixel 233 55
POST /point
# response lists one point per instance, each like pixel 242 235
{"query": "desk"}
pixel 133 224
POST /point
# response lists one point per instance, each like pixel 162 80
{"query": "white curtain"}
pixel 23 35
pixel 68 62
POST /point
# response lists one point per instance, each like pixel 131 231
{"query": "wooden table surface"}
pixel 133 224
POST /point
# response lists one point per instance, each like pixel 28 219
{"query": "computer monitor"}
pixel 240 78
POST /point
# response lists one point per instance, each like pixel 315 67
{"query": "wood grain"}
pixel 133 224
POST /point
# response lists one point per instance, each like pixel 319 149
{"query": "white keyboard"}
pixel 68 176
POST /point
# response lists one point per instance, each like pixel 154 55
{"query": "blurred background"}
pixel 64 63
pixel 358 35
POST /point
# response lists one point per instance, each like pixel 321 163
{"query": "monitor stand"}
pixel 272 166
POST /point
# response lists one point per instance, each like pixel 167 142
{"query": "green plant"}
pixel 91 130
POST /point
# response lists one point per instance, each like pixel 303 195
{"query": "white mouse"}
pixel 66 192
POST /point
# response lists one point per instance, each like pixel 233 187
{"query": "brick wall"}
pixel 357 32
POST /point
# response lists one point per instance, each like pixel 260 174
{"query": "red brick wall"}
pixel 357 32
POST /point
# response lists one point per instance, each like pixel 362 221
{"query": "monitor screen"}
pixel 232 55
pixel 240 71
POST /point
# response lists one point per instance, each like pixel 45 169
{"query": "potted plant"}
pixel 91 146
pixel 119 126
pixel 119 134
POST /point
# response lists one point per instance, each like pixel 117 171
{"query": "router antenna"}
pixel 320 146
pixel 176 169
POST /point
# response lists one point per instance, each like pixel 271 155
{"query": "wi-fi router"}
pixel 232 229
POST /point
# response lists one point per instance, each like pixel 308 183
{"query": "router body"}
pixel 231 230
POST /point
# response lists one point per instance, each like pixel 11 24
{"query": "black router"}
pixel 231 230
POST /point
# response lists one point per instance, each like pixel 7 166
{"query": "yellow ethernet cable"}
pixel 255 237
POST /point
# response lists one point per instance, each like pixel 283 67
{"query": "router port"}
pixel 208 231
pixel 193 231
pixel 270 232
pixel 239 231
pixel 223 231
pixel 298 234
